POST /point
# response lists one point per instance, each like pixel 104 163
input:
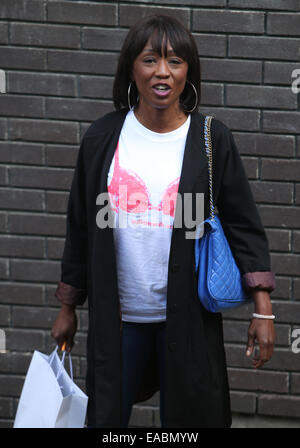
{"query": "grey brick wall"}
pixel 60 58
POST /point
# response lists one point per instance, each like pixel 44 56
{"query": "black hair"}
pixel 160 29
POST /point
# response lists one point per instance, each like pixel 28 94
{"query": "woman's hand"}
pixel 65 326
pixel 261 330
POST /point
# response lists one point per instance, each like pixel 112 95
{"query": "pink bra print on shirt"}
pixel 128 191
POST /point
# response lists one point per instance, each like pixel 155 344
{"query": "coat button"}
pixel 175 267
pixel 172 346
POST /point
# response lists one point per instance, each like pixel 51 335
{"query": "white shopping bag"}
pixel 50 398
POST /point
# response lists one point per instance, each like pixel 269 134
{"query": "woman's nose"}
pixel 162 68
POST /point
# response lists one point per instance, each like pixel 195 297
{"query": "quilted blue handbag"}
pixel 218 276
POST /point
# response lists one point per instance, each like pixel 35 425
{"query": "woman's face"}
pixel 160 80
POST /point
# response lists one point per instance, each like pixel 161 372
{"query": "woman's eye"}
pixel 153 60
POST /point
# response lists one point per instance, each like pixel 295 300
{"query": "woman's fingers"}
pixel 263 332
pixel 69 344
pixel 266 348
pixel 259 359
pixel 250 344
pixel 64 328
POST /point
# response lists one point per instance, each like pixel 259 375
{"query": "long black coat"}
pixel 197 393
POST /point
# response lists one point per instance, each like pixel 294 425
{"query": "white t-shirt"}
pixel 142 180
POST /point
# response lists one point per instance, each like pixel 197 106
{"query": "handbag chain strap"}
pixel 208 148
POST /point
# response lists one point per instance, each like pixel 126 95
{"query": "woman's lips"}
pixel 161 93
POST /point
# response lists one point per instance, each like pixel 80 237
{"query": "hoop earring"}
pixel 196 94
pixel 128 97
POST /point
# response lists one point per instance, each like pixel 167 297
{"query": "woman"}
pixel 147 328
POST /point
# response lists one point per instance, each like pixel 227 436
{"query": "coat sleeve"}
pixel 72 288
pixel 240 218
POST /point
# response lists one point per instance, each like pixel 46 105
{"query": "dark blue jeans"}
pixel 138 342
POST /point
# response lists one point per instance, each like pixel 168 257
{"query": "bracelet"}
pixel 263 316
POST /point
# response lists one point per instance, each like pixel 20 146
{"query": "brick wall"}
pixel 60 58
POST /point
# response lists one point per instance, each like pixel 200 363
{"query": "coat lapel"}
pixel 194 166
pixel 112 145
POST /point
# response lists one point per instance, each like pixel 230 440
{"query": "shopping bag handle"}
pixel 70 359
pixel 62 361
